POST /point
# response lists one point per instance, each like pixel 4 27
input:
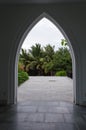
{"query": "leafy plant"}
pixel 22 77
pixel 61 73
pixel 45 60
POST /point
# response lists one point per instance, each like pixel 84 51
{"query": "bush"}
pixel 61 73
pixel 22 77
pixel 20 66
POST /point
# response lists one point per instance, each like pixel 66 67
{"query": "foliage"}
pixel 22 76
pixel 48 68
pixel 61 73
pixel 49 52
pixel 24 58
pixel 35 61
pixel 62 61
pixel 36 51
pixel 48 59
pixel 64 42
pixel 45 60
pixel 20 66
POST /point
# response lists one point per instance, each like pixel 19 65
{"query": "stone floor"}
pixel 46 89
pixel 43 115
pixel 44 112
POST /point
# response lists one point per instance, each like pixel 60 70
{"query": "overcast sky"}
pixel 44 32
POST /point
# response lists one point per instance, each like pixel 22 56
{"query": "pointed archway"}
pixel 13 90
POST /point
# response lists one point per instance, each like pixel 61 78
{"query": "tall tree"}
pixel 36 53
pixel 62 60
pixel 24 58
pixel 48 59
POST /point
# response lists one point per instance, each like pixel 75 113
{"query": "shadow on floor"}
pixel 44 115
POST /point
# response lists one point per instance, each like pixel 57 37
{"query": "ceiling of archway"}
pixel 40 1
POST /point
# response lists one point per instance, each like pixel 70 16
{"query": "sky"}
pixel 44 32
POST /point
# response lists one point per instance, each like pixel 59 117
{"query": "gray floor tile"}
pixel 43 117
pixel 43 108
pixel 35 117
pixel 27 109
pixel 54 117
pixel 65 126
pixel 58 110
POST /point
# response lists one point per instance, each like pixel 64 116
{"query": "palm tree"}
pixel 49 52
pixel 36 54
pixel 48 59
pixel 24 58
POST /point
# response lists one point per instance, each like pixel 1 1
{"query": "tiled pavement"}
pixel 43 115
pixel 48 88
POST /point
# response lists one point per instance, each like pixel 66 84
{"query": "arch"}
pixel 16 57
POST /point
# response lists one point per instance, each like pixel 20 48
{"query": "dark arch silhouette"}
pixel 16 57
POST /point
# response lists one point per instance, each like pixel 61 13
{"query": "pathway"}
pixel 46 89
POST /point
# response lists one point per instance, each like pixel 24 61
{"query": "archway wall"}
pixel 15 19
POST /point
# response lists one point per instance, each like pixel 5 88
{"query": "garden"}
pixel 44 61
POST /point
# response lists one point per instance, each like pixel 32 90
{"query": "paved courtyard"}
pixel 46 89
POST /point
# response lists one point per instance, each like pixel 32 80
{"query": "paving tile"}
pixel 66 126
pixel 35 117
pixel 58 110
pixel 66 104
pixel 39 88
pixel 42 109
pixel 41 126
pixel 29 103
pixel 49 103
pixel 27 109
pixel 43 117
pixel 54 117
pixel 38 126
pixel 70 118
pixel 18 117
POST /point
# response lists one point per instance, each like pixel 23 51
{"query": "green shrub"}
pixel 20 66
pixel 22 77
pixel 61 73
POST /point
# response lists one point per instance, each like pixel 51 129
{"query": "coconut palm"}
pixel 24 58
pixel 36 54
pixel 48 59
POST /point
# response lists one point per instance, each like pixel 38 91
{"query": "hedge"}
pixel 61 73
pixel 22 77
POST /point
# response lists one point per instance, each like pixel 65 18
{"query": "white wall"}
pixel 14 21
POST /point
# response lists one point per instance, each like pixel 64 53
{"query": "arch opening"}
pixel 44 15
